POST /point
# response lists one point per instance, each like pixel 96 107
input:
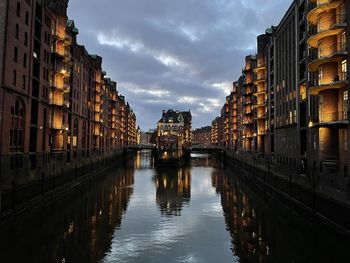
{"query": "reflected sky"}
pixel 173 216
pixel 200 213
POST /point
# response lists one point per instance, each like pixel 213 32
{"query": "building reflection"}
pixel 78 229
pixel 248 241
pixel 173 190
pixel 143 160
pixel 262 229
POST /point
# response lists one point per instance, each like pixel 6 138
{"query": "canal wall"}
pixel 302 194
pixel 55 182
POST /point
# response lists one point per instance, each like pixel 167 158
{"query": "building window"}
pixel 17 127
pixel 24 82
pixel 25 60
pixel 345 104
pixel 25 38
pixel 27 18
pixel 15 54
pixel 343 42
pixel 14 79
pixel 344 70
pixel 321 141
pixel 18 10
pixel 17 31
pixel 320 76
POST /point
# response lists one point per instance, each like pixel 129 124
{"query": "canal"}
pixel 199 213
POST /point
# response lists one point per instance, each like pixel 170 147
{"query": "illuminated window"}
pixel 320 75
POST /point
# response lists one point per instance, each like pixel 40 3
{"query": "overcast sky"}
pixel 179 54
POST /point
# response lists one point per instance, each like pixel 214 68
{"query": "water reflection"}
pixel 201 213
pixel 173 190
pixel 78 229
pixel 263 229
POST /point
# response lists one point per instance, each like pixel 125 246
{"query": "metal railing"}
pixel 331 50
pixel 328 79
pixel 332 116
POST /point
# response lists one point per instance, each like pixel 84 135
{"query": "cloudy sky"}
pixel 180 54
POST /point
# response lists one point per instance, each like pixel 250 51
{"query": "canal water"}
pixel 199 213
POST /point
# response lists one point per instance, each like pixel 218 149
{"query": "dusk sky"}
pixel 179 54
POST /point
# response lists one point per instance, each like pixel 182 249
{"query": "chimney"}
pixel 163 113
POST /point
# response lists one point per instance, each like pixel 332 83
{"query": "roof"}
pixel 171 116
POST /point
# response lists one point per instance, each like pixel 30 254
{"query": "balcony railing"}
pixel 329 51
pixel 328 79
pixel 333 116
pixel 58 125
pixel 259 77
pixel 327 24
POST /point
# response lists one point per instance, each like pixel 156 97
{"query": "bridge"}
pixel 206 148
pixel 141 147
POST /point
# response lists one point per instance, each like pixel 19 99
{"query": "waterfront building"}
pixel 202 135
pixel 294 104
pixel 138 135
pixel 328 89
pixel 248 102
pixel 176 123
pixel 215 131
pixel 58 110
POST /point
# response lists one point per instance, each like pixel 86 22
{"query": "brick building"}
pixel 292 110
pixel 58 110
pixel 202 136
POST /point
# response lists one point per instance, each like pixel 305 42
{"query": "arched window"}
pixel 17 127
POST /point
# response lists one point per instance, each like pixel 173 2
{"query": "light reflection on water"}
pixel 137 213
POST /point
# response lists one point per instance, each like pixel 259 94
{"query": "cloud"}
pixel 180 54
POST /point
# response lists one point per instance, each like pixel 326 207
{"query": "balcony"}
pixel 326 28
pixel 247 68
pixel 335 53
pixel 322 6
pixel 248 81
pixel 261 132
pixel 330 119
pixel 260 104
pixel 247 102
pixel 328 82
pixel 57 50
pixel 260 92
pixel 259 78
pixel 261 116
pixel 247 122
pixel 58 125
pixel 260 66
pixel 248 91
pixel 62 69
